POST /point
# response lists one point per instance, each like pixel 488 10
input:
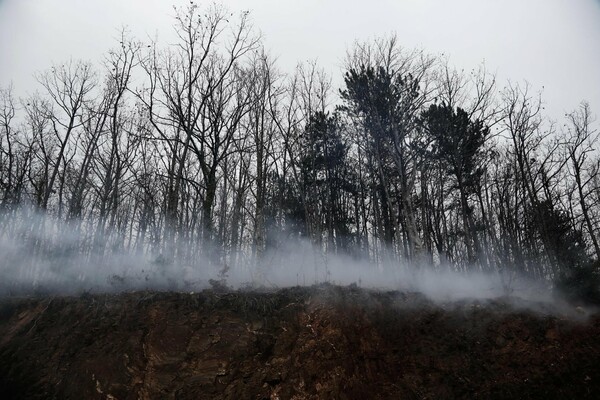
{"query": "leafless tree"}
pixel 580 139
pixel 68 87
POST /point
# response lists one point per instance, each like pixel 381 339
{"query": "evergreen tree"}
pixel 458 144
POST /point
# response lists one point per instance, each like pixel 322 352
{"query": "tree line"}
pixel 204 148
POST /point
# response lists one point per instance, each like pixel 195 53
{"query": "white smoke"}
pixel 40 254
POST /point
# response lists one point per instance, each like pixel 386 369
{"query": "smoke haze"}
pixel 42 255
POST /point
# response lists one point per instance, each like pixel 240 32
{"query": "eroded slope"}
pixel 298 343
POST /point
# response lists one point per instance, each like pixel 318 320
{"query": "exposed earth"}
pixel 322 342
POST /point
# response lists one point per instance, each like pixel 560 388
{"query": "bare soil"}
pixel 323 342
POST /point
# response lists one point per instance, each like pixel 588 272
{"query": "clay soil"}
pixel 323 342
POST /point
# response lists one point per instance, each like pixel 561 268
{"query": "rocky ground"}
pixel 323 342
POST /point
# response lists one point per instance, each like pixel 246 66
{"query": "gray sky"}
pixel 550 43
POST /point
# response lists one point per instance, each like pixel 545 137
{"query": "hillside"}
pixel 320 342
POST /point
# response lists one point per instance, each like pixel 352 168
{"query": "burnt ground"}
pixel 324 342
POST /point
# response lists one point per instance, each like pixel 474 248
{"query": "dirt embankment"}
pixel 300 343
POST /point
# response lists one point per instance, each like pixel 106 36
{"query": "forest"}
pixel 204 149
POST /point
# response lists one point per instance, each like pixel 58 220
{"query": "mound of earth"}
pixel 324 342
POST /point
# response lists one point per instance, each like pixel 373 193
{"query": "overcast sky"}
pixel 550 43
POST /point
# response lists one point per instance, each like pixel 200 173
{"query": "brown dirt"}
pixel 323 342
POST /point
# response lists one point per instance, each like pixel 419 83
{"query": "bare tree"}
pixel 580 139
pixel 15 153
pixel 68 87
pixel 194 92
pixel 116 148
